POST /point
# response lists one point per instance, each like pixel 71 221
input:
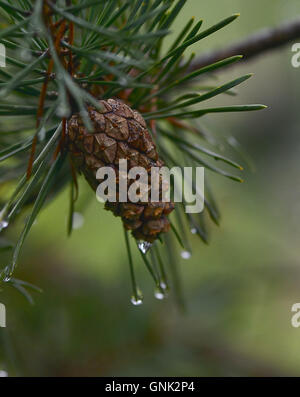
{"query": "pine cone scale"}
pixel 120 133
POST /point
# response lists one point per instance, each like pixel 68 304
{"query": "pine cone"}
pixel 120 133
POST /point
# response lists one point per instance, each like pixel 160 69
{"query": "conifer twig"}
pixel 252 46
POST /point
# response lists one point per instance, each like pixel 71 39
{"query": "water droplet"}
pixel 185 254
pixel 163 285
pixel 159 294
pixel 3 225
pixel 63 111
pixel 7 277
pixel 6 274
pixel 78 220
pixel 123 81
pixel 144 246
pixel 26 55
pixel 194 230
pixel 136 301
pixel 42 134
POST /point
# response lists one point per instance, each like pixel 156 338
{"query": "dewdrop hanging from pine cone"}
pixel 120 133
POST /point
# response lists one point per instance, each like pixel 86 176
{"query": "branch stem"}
pixel 254 45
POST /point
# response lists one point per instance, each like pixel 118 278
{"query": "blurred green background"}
pixel 238 290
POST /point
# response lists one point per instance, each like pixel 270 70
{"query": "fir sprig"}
pixel 66 55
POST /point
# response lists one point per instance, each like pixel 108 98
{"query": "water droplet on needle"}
pixel 144 246
pixel 159 294
pixel 77 221
pixel 6 275
pixel 185 254
pixel 136 301
pixel 163 285
pixel 3 225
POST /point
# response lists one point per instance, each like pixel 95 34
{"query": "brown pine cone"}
pixel 120 133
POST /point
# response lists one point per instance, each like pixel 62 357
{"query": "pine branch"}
pixel 260 42
pixel 89 58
